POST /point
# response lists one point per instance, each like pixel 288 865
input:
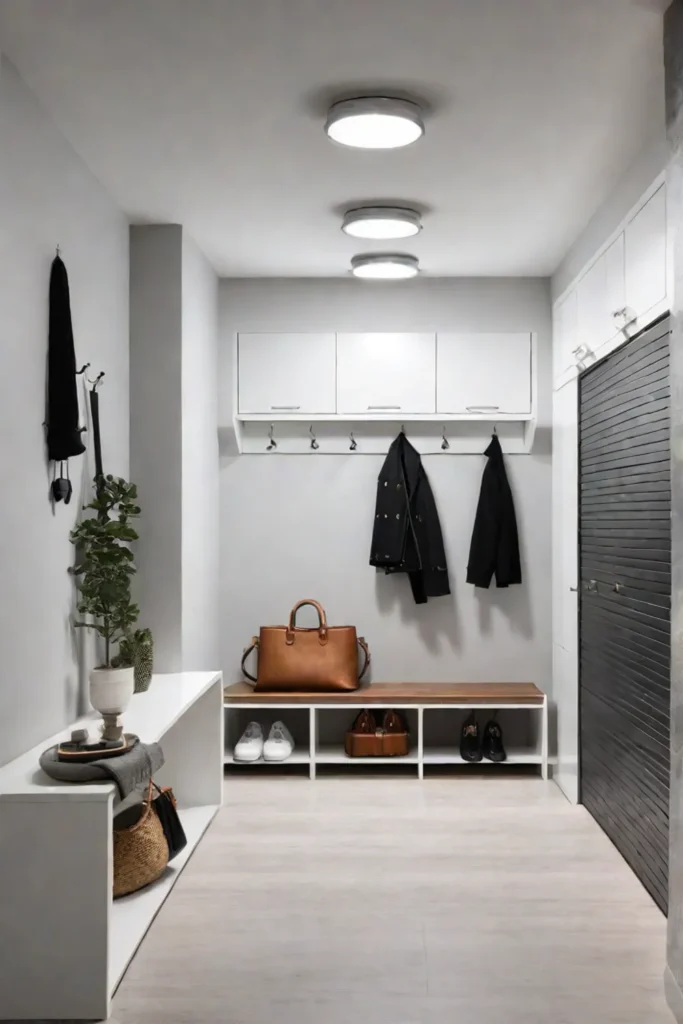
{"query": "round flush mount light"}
pixel 385 266
pixel 375 122
pixel 381 222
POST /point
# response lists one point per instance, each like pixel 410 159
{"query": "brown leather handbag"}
pixel 294 659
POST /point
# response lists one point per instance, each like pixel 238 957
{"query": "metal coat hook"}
pixel 314 443
pixel 495 430
pixel 444 440
pixel 354 445
pixel 58 251
pixel 82 369
pixel 97 381
pixel 403 429
pixel 272 442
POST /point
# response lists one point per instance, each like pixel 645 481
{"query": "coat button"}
pixel 386 483
pixel 386 516
pixel 398 487
pixel 398 515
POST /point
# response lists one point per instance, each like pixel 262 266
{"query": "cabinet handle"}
pixel 383 408
pixel 482 408
pixel 284 408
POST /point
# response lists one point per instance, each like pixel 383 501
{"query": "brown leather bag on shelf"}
pixel 319 660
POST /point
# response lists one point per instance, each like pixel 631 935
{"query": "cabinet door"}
pixel 483 373
pixel 591 297
pixel 566 330
pixel 615 291
pixel 287 373
pixel 385 373
pixel 645 256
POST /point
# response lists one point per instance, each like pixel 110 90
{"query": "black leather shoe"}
pixel 492 742
pixel 470 744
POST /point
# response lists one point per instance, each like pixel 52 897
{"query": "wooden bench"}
pixel 318 722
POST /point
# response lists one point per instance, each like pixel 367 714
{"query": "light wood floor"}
pixel 387 901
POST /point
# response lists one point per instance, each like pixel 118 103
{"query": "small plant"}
pixel 131 644
pixel 106 565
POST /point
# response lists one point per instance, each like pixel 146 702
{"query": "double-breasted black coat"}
pixel 495 544
pixel 407 534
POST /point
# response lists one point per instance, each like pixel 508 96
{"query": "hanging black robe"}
pixel 495 544
pixel 63 432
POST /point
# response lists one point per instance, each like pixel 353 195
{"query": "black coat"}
pixel 63 431
pixel 407 533
pixel 495 545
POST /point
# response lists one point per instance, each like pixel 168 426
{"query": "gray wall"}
pixel 48 197
pixel 673 49
pixel 174 444
pixel 156 431
pixel 200 539
pixel 295 526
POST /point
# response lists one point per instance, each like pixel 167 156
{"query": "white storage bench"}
pixel 434 711
pixel 64 943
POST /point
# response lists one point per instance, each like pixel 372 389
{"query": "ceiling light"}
pixel 381 222
pixel 375 122
pixel 385 266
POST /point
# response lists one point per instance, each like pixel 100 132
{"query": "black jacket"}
pixel 495 546
pixel 407 533
pixel 63 432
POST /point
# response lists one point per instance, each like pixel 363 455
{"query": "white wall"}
pixel 300 526
pixel 650 162
pixel 200 538
pixel 156 431
pixel 174 444
pixel 48 197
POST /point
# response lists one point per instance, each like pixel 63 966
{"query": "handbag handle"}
pixel 322 620
pixel 361 641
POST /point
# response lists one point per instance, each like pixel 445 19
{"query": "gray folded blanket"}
pixel 130 771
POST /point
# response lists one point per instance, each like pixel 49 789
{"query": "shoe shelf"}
pixel 435 714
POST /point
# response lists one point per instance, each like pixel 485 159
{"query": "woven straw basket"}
pixel 140 852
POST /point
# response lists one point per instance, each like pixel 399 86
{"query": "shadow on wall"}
pixel 437 621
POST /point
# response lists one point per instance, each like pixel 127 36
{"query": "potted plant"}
pixel 137 649
pixel 104 572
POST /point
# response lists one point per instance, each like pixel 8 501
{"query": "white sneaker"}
pixel 249 746
pixel 279 745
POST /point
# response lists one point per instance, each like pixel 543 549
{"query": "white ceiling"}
pixel 209 113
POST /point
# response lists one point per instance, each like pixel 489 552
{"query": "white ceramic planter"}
pixel 111 689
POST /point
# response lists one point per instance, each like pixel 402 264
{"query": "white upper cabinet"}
pixel 591 295
pixel 287 373
pixel 483 373
pixel 645 256
pixel 565 333
pixel 386 373
pixel 615 287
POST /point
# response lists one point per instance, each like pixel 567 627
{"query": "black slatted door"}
pixel 625 604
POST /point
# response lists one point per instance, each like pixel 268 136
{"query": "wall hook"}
pixel 444 440
pixel 97 381
pixel 354 444
pixel 272 442
pixel 314 443
pixel 82 369
pixel 58 251
pixel 403 429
